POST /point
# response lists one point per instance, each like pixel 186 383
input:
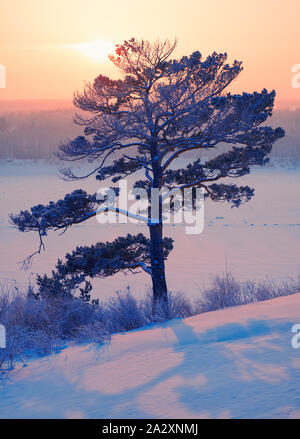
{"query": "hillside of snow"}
pixel 236 363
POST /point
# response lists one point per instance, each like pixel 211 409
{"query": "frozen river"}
pixel 258 240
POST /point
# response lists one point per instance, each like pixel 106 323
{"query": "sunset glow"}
pixel 82 34
pixel 97 50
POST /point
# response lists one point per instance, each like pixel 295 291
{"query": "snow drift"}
pixel 238 362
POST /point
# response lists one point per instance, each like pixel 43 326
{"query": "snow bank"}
pixel 237 362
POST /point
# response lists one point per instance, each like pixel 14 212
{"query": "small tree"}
pixel 159 110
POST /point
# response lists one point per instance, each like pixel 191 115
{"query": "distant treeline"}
pixel 36 135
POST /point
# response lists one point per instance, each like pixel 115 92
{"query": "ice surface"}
pixel 258 240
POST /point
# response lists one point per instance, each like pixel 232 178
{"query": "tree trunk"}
pixel 160 292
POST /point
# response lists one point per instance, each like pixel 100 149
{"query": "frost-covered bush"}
pixel 179 306
pixel 36 324
pixel 269 289
pixel 225 291
pixel 124 312
pixel 222 292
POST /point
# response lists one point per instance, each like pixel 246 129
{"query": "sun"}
pixel 98 50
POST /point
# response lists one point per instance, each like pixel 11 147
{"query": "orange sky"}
pixel 38 40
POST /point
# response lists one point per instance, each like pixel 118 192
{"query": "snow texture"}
pixel 236 363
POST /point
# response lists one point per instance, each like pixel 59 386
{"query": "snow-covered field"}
pixel 236 363
pixel 259 240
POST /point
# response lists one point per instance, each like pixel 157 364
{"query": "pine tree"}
pixel 157 111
